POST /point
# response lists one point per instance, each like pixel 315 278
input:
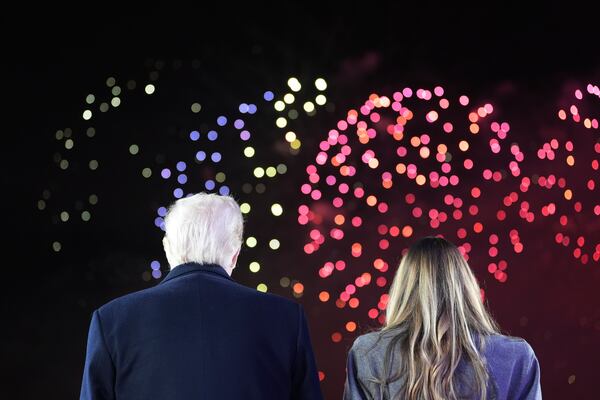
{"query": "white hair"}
pixel 203 228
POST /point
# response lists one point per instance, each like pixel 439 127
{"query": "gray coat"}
pixel 512 365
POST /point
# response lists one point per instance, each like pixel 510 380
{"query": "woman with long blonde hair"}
pixel 439 341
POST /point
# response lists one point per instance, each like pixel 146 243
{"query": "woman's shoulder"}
pixel 512 344
pixel 513 365
pixel 370 354
pixel 371 341
pixel 505 349
pixel 365 341
pixel 498 347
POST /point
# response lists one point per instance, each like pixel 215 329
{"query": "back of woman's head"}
pixel 436 301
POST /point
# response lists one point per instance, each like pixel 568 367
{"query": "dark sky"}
pixel 51 59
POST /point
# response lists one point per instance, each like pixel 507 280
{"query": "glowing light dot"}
pixel 259 172
pixel 93 164
pixel 254 267
pixel 320 84
pixel 281 168
pixel 149 89
pixel 562 115
pixel 276 209
pixel 64 216
pixel 90 98
pixel 262 287
pixel 351 326
pixel 289 98
pixel 274 244
pixel 134 149
pixel 178 193
pixel 431 116
pixel 290 136
pixel 146 172
pixel 518 247
pixel 85 216
pixel 220 177
pixel 373 163
pixel 309 106
pixel 271 172
pixel 251 241
pixel 93 199
pixel 281 122
pixel 87 114
pixel 279 105
pixel 249 151
pixel 268 95
pixel 294 84
pixel 371 200
pixel 196 107
pixel 245 208
pixel 298 288
pixel 56 246
pixel 321 100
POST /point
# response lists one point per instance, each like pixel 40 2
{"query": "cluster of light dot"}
pixel 565 188
pixel 422 162
pixel 94 104
pixel 573 111
pixel 417 162
pixel 215 155
pixel 288 110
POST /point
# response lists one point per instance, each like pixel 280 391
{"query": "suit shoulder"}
pixel 276 300
pixel 126 301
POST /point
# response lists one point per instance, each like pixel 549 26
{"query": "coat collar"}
pixel 191 267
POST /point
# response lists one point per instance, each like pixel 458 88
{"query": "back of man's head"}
pixel 204 228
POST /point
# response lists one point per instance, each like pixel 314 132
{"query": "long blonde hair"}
pixel 435 300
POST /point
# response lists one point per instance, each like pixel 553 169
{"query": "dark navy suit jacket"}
pixel 199 335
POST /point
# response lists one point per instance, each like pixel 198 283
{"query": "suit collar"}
pixel 191 267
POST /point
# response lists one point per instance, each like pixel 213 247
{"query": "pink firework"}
pixel 414 164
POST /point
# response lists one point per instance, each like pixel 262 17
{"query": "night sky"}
pixel 526 64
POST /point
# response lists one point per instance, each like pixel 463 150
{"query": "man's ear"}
pixel 167 248
pixel 235 258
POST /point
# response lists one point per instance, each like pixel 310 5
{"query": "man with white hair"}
pixel 198 334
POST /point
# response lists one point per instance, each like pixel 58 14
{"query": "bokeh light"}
pixel 423 162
